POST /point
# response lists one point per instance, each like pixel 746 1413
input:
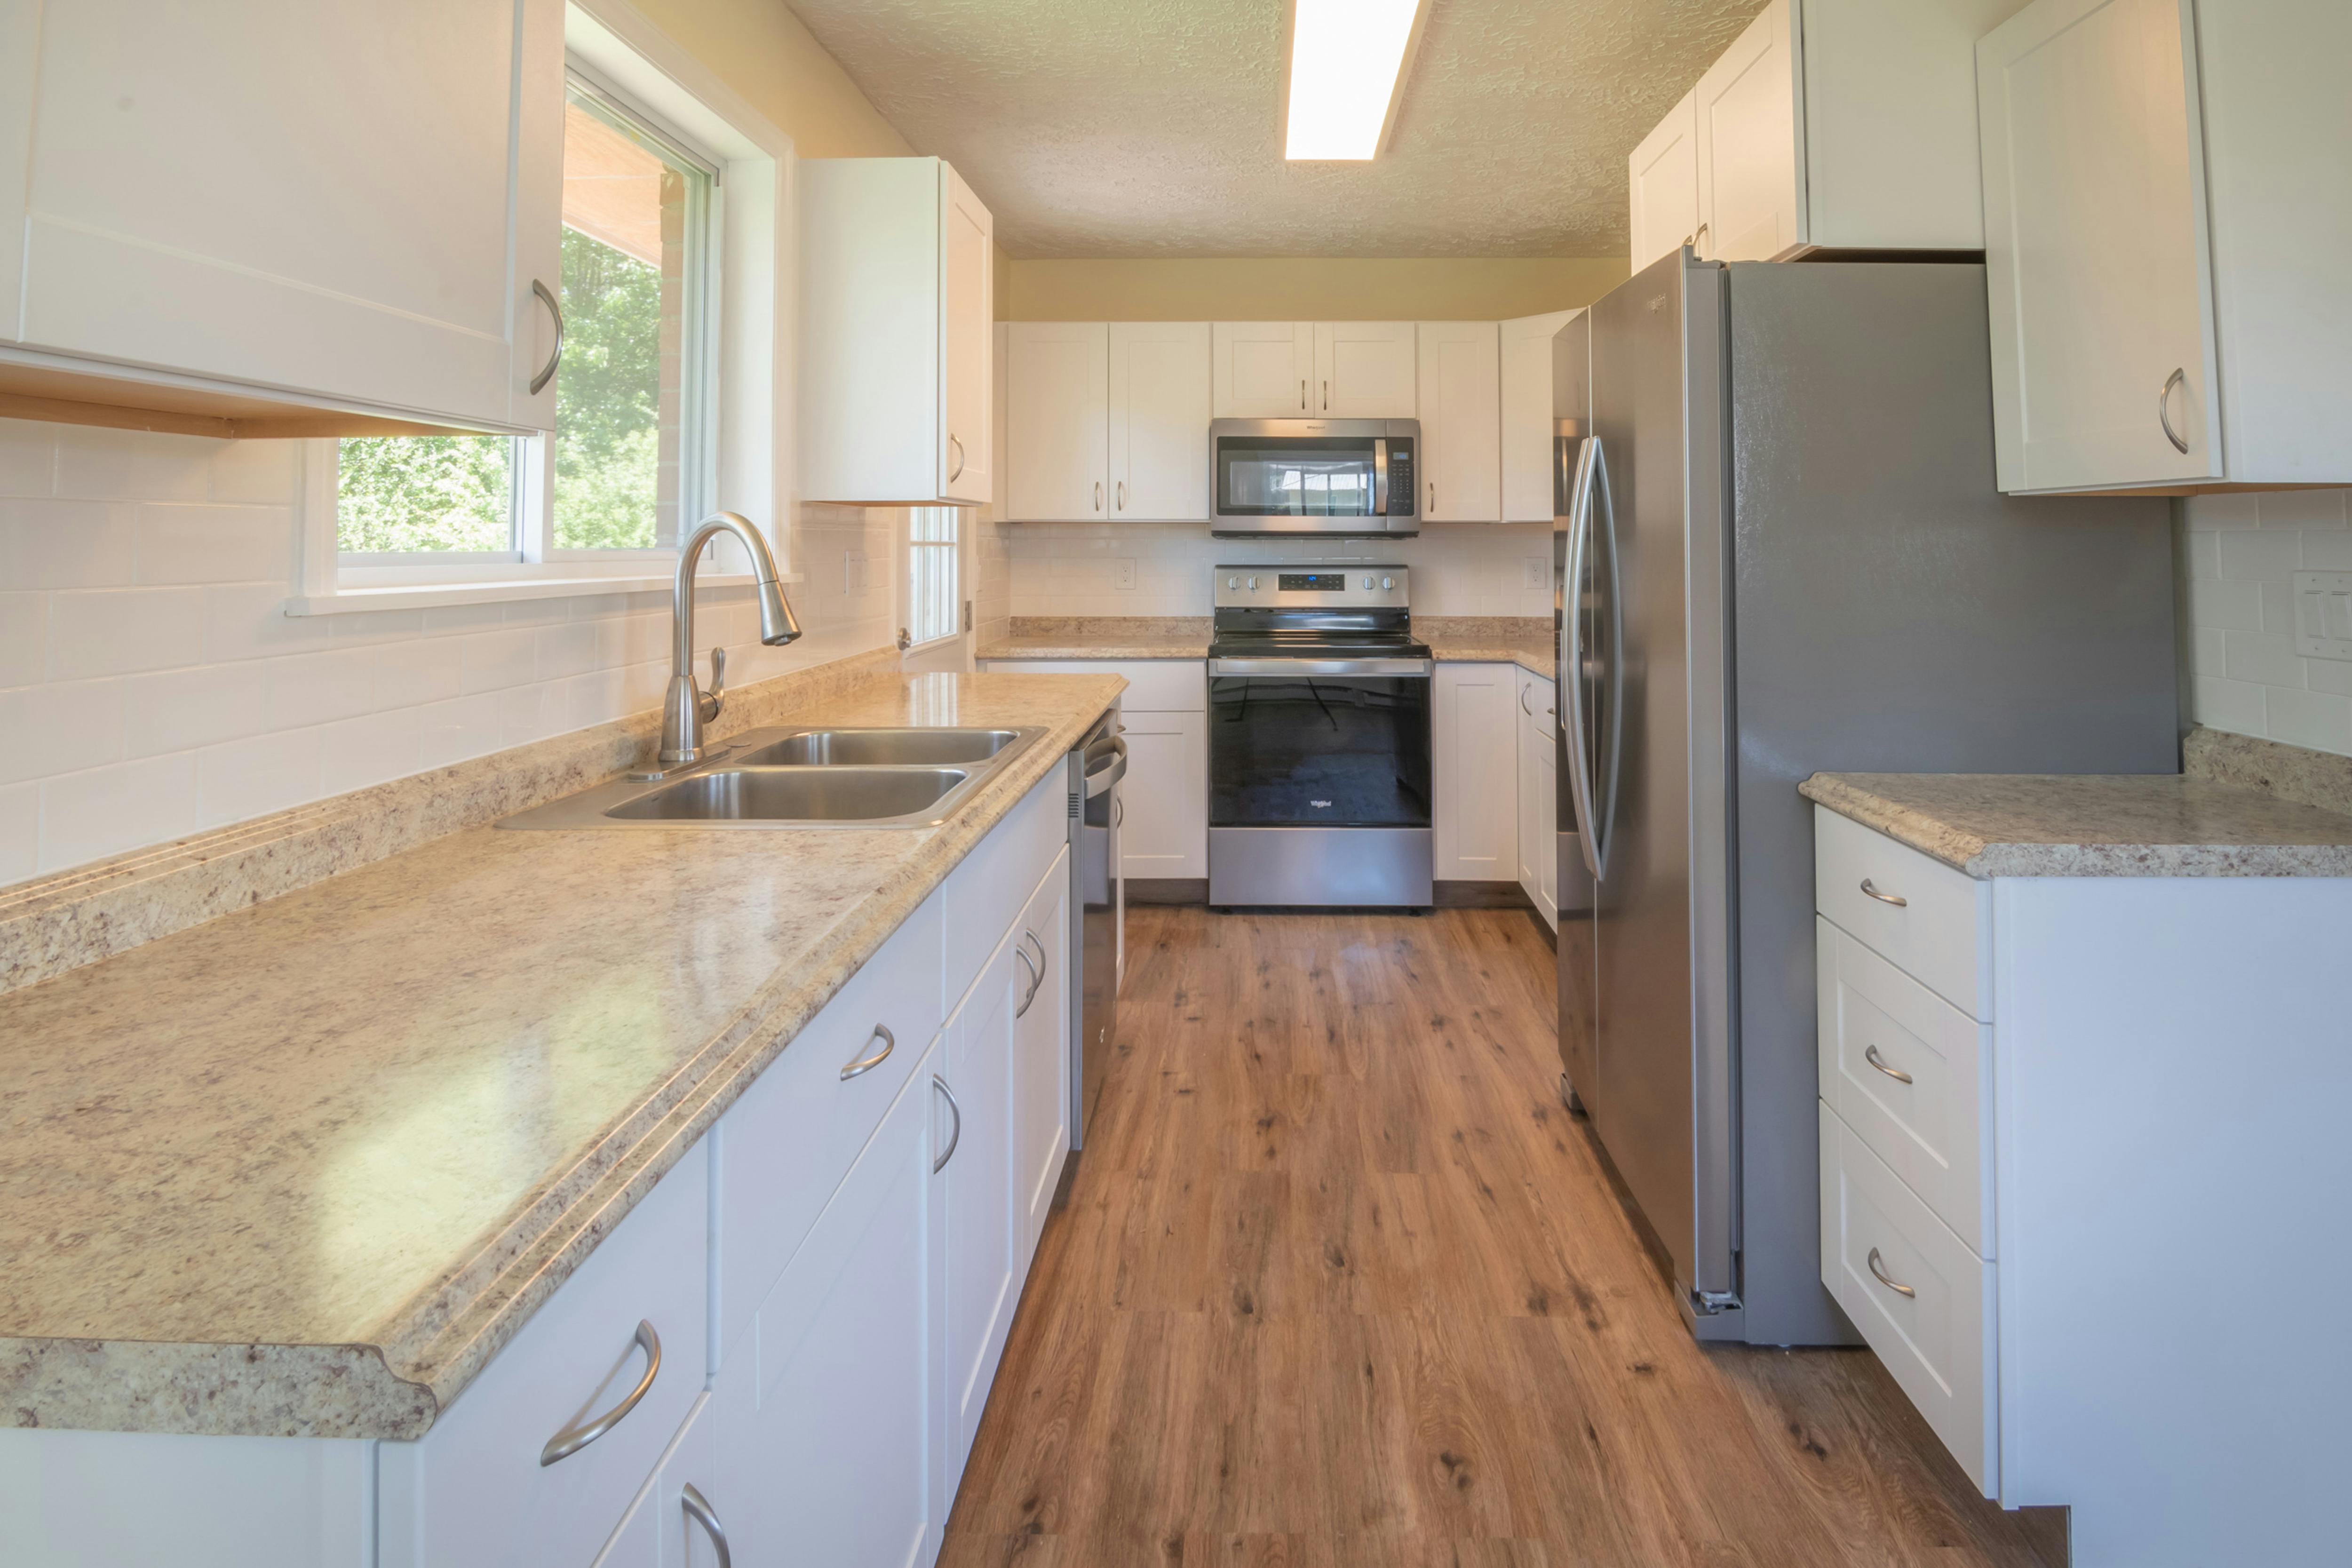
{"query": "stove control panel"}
pixel 1336 585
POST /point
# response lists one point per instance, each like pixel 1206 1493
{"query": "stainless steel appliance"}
pixel 1347 476
pixel 1098 903
pixel 1782 552
pixel 1318 739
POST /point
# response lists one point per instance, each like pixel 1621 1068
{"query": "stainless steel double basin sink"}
pixel 802 777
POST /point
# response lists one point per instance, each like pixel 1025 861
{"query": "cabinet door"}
pixel 1364 370
pixel 1528 399
pixel 1476 809
pixel 660 1531
pixel 1749 204
pixel 1041 1056
pixel 1531 844
pixel 1164 799
pixel 1056 399
pixel 982 1283
pixel 1159 421
pixel 2095 247
pixel 829 1435
pixel 1461 422
pixel 967 327
pixel 1662 173
pixel 1260 369
pixel 314 195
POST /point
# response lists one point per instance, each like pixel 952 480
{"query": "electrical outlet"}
pixel 1535 572
pixel 854 575
pixel 1123 571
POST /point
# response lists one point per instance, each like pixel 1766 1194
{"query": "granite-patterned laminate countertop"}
pixel 2038 824
pixel 303 1169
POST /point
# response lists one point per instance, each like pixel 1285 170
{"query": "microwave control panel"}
pixel 1401 490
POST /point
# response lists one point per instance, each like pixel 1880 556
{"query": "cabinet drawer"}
pixel 1920 1104
pixel 786 1144
pixel 473 1494
pixel 984 893
pixel 1938 1340
pixel 1153 686
pixel 1931 933
pixel 1538 710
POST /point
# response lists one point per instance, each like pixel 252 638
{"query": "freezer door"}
pixel 1661 1092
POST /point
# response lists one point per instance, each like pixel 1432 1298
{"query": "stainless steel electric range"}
pixel 1318 739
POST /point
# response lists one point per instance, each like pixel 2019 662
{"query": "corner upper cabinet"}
pixel 1663 176
pixel 1460 399
pixel 1531 401
pixel 1828 125
pixel 280 209
pixel 1261 370
pixel 2165 213
pixel 897 303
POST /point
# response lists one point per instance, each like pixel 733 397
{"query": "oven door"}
pixel 1313 744
pixel 1352 477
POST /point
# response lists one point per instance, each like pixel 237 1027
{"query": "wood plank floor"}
pixel 1339 1284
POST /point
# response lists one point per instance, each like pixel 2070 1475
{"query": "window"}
pixel 932 592
pixel 632 455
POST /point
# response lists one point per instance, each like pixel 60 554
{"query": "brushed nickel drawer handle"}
pixel 1036 980
pixel 954 1137
pixel 2164 411
pixel 697 1509
pixel 868 1064
pixel 1870 1054
pixel 957 473
pixel 1869 891
pixel 555 355
pixel 1885 1279
pixel 572 1439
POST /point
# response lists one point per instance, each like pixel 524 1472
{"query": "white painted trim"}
pixel 431 595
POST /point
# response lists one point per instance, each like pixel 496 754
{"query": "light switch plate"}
pixel 2322 615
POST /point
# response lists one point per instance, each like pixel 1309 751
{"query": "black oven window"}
pixel 1299 475
pixel 1313 751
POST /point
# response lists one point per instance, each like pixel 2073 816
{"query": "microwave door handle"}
pixel 1379 475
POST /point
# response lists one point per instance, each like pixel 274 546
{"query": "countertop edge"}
pixel 395 1383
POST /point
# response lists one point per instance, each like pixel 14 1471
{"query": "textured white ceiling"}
pixel 1138 128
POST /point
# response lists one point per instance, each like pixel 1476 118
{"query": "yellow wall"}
pixel 1279 289
pixel 761 49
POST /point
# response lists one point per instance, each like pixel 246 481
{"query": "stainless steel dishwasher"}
pixel 1099 900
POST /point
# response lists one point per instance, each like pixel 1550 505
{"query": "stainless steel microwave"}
pixel 1350 477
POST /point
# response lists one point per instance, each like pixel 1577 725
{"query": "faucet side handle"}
pixel 709 703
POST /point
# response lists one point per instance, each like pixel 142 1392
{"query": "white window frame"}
pixel 955 549
pixel 750 410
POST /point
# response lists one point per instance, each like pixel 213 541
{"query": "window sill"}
pixel 433 595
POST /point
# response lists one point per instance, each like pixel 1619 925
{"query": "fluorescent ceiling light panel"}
pixel 1348 64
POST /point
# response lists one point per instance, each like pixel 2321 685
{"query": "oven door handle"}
pixel 1405 666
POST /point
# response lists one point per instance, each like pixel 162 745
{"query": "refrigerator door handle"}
pixel 1608 745
pixel 1576 745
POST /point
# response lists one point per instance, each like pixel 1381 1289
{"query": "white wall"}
pixel 2242 552
pixel 150 688
pixel 1073 568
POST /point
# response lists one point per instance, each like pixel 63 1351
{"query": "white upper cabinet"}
pixel 897 307
pixel 1261 370
pixel 1057 406
pixel 2165 213
pixel 1160 402
pixel 1363 370
pixel 1662 174
pixel 289 203
pixel 1529 400
pixel 1835 125
pixel 1461 422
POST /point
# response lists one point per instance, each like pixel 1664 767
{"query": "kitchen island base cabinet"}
pixel 2130 1335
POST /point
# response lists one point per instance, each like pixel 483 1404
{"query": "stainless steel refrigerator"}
pixel 1780 551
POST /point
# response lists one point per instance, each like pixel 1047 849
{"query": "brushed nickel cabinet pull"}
pixel 956 472
pixel 868 1064
pixel 1302 394
pixel 2164 411
pixel 1326 397
pixel 1870 1054
pixel 1122 495
pixel 1099 495
pixel 1037 979
pixel 547 371
pixel 954 1137
pixel 572 1439
pixel 697 1509
pixel 1879 1269
pixel 1869 891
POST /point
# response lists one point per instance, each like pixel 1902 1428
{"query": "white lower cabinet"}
pixel 676 1519
pixel 828 1418
pixel 1042 1029
pixel 1474 721
pixel 1539 801
pixel 983 1281
pixel 1164 800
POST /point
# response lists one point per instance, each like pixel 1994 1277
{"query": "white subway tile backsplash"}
pixel 307 688
pixel 214 544
pixel 24 637
pixel 175 709
pixel 566 650
pixel 459 727
pixel 20 832
pixel 372 626
pixel 115 631
pixel 59 727
pixel 67 543
pixel 239 780
pixel 495 660
pixel 249 620
pixel 28 457
pixel 105 811
pixel 105 464
pixel 369 749
pixel 2238 554
pixel 263 471
pixel 422 669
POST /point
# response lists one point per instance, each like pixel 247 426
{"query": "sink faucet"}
pixel 686 710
